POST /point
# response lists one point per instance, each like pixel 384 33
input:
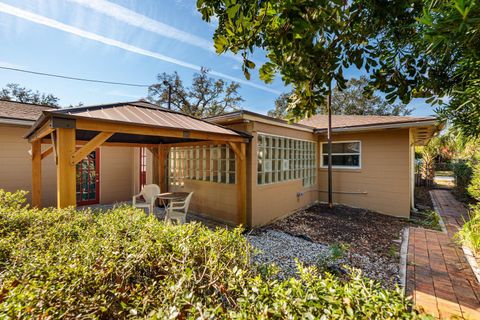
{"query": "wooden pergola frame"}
pixel 60 134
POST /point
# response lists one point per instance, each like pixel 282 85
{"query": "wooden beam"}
pixel 241 168
pixel 66 173
pixel 47 152
pixel 161 169
pixel 36 173
pixel 95 125
pixel 237 150
pixel 193 143
pixel 44 130
pixel 89 147
pixel 110 144
pixel 155 165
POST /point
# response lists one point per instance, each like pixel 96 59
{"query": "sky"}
pixel 122 41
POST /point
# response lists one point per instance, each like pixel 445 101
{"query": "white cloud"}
pixel 119 44
pixel 135 19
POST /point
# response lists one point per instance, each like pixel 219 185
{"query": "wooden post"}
pixel 66 173
pixel 161 169
pixel 241 183
pixel 154 152
pixel 37 173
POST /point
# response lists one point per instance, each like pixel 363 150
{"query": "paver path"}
pixel 439 278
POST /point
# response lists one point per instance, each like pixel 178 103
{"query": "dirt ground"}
pixel 362 230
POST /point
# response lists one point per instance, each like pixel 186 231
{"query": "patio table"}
pixel 170 196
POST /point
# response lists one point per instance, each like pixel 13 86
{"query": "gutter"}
pixel 252 116
pixel 18 122
pixel 380 126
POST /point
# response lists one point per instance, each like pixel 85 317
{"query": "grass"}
pixel 469 234
pixel 427 217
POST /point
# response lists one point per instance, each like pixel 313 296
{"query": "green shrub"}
pixel 462 172
pixel 469 234
pixel 474 186
pixel 427 219
pixel 123 264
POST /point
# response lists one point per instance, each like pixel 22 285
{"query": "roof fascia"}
pixel 15 121
pixel 374 127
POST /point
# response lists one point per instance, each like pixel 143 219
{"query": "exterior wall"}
pixel 217 201
pixel 273 201
pixel 116 174
pixel 16 165
pixel 116 169
pixel 384 177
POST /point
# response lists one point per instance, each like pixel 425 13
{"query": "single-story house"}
pixel 244 167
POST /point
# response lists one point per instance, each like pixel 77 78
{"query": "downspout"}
pixel 329 139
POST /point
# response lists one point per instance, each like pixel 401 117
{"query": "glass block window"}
pixel 282 159
pixel 344 154
pixel 214 163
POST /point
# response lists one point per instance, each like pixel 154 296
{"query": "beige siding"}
pixel 116 174
pixel 16 166
pixel 214 200
pixel 384 177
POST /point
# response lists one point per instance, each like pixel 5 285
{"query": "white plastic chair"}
pixel 150 193
pixel 177 210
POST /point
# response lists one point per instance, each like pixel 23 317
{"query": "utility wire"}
pixel 74 78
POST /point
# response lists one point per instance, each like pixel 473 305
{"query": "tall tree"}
pixel 281 106
pixel 410 48
pixel 206 97
pixel 310 43
pixel 14 92
pixel 355 99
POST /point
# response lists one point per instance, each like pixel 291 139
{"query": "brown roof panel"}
pixel 345 121
pixel 22 111
pixel 144 113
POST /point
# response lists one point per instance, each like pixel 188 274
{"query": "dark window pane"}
pixel 345 161
pixel 348 147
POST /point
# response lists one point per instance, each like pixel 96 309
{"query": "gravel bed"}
pixel 279 248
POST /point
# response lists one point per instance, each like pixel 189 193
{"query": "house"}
pixel 244 167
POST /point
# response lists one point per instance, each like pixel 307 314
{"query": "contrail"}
pixel 119 44
pixel 135 19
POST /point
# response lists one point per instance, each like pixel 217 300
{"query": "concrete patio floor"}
pixel 159 213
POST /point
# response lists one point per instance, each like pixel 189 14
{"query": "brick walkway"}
pixel 439 279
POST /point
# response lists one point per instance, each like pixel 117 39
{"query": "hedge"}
pixel 122 264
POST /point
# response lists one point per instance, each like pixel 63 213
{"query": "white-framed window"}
pixel 345 154
pixel 214 163
pixel 282 159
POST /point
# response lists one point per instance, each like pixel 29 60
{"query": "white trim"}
pixel 373 127
pixel 16 122
pixel 338 154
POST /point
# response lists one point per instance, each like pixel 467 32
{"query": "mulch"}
pixel 363 230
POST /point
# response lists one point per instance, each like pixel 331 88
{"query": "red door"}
pixel 88 179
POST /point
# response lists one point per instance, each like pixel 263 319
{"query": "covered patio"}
pixel 72 134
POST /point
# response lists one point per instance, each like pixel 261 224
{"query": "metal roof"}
pixel 138 113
